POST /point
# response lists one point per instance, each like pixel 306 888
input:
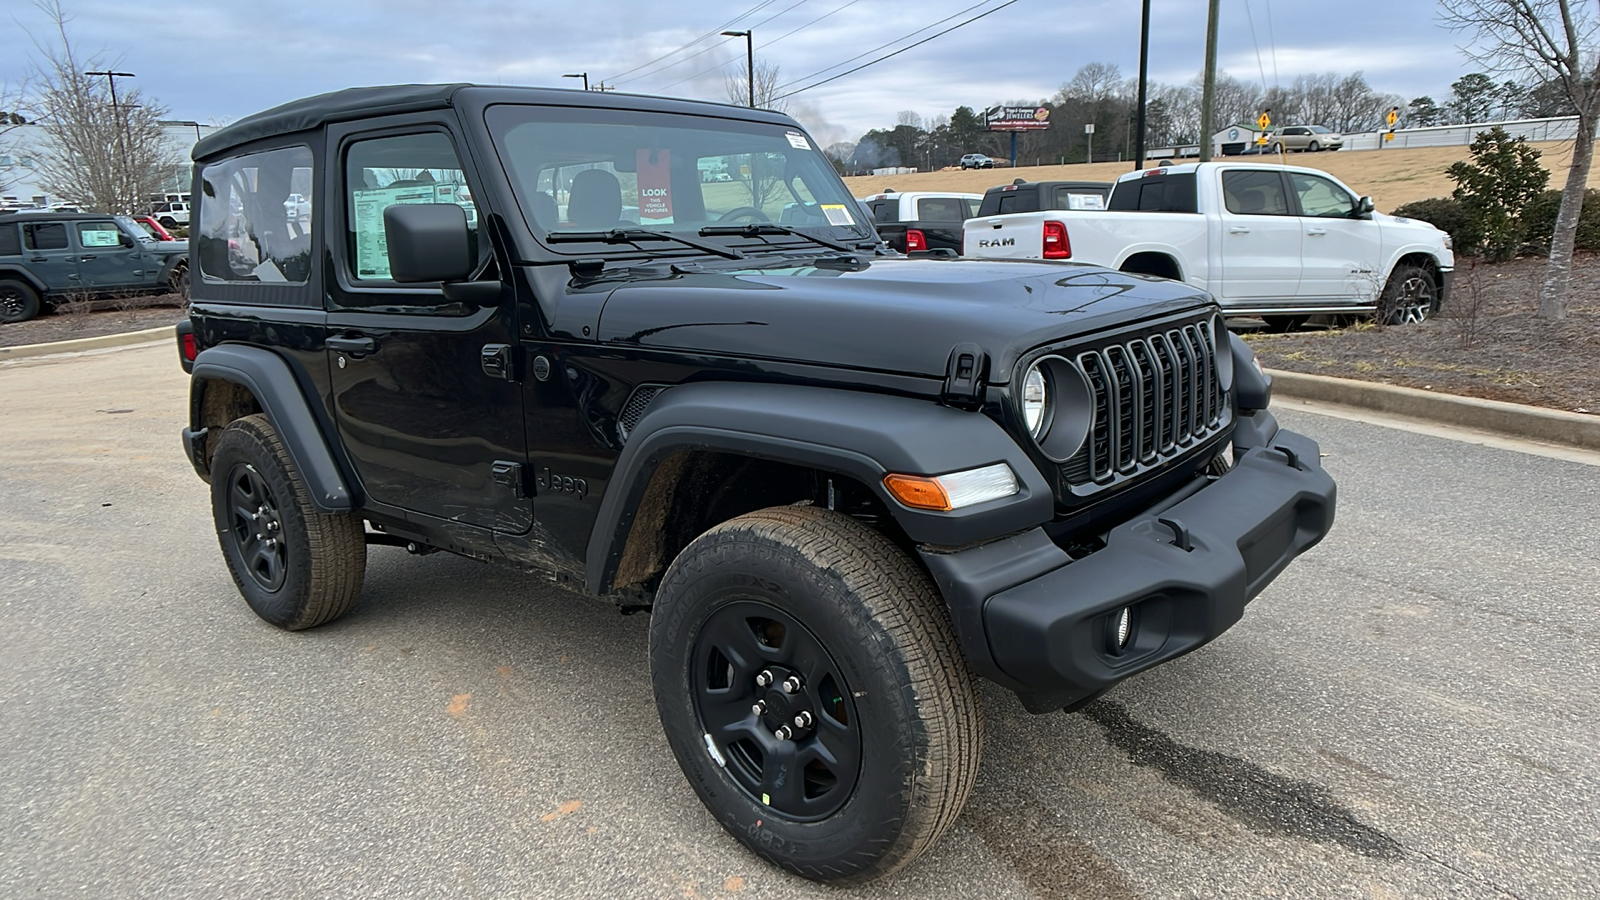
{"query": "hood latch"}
pixel 964 376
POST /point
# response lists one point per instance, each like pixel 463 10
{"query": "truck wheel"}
pixel 810 685
pixel 1410 296
pixel 1284 324
pixel 296 567
pixel 19 302
pixel 179 282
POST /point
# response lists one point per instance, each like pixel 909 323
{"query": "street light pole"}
pixel 749 61
pixel 583 75
pixel 1144 77
pixel 122 138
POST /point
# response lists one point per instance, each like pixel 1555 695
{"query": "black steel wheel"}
pixel 1410 296
pixel 296 567
pixel 810 685
pixel 19 302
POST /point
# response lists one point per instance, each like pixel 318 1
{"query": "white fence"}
pixel 1559 129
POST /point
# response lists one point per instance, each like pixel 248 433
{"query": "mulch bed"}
pixel 70 324
pixel 1487 341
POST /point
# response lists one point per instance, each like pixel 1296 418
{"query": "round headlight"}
pixel 1035 401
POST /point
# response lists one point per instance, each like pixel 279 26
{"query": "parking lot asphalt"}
pixel 1409 711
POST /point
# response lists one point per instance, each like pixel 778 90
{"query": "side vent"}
pixel 633 410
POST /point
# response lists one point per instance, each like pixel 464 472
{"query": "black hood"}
pixel 895 315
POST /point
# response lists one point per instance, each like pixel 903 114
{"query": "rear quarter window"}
pixel 1155 193
pixel 10 240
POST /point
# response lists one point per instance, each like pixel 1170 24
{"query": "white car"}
pixel 1279 242
pixel 977 161
pixel 172 213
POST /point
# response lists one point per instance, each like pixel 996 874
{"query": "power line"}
pixel 889 43
pixel 709 49
pixel 897 52
pixel 1259 65
pixel 712 33
pixel 764 44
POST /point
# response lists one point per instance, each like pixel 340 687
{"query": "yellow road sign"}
pixel 1265 121
pixel 1388 135
pixel 1394 116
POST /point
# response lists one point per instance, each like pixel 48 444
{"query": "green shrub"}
pixel 1503 177
pixel 1448 216
pixel 1539 221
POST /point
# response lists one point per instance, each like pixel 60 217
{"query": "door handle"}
pixel 1238 229
pixel 356 347
pixel 1316 231
pixel 87 258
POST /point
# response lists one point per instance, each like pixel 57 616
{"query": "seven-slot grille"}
pixel 1155 396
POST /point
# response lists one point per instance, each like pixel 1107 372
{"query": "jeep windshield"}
pixel 581 173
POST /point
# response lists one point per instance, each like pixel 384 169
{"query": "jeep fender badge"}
pixel 541 368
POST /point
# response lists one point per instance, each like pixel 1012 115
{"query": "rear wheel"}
pixel 810 685
pixel 295 566
pixel 179 282
pixel 19 302
pixel 168 222
pixel 1284 324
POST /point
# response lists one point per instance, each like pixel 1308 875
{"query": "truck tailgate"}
pixel 1011 236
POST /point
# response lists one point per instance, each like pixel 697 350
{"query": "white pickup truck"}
pixel 1279 242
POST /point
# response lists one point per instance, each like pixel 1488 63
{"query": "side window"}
pixel 378 173
pixel 10 240
pixel 255 218
pixel 97 235
pixel 940 209
pixel 1321 197
pixel 1012 203
pixel 45 235
pixel 969 208
pixel 885 211
pixel 1254 194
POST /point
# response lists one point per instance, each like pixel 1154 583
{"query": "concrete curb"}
pixel 1510 419
pixel 77 345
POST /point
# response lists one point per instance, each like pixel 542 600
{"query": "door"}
pixel 51 256
pixel 106 261
pixel 1339 256
pixel 1260 238
pixel 421 385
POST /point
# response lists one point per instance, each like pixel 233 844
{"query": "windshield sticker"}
pixel 98 238
pixel 797 140
pixel 655 186
pixel 1085 201
pixel 837 214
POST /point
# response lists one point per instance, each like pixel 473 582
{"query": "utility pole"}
pixel 127 188
pixel 583 75
pixel 749 61
pixel 1208 92
pixel 1144 77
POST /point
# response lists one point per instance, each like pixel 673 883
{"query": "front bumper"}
pixel 1042 623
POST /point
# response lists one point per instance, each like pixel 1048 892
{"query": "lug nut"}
pixel 803 720
pixel 763 678
pixel 783 733
pixel 791 684
pixel 760 708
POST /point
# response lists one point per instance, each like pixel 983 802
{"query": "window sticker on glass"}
pixel 372 243
pixel 797 140
pixel 1085 201
pixel 655 186
pixel 98 238
pixel 837 214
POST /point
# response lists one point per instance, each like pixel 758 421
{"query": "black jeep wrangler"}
pixel 518 325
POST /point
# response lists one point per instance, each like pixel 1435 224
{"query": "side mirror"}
pixel 1364 207
pixel 126 240
pixel 428 242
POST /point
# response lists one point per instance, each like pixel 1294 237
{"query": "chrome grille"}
pixel 1156 396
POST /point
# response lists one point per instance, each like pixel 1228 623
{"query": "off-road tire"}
pixel 316 575
pixel 19 302
pixel 877 617
pixel 179 282
pixel 168 222
pixel 1410 296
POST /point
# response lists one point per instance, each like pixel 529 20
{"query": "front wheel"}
pixel 810 685
pixel 1313 146
pixel 1410 296
pixel 296 567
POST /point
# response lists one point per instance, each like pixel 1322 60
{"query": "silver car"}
pixel 1306 137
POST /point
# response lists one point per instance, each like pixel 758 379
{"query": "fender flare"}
pixel 26 276
pixel 860 435
pixel 268 377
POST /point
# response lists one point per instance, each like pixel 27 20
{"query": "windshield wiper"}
pixel 634 236
pixel 757 229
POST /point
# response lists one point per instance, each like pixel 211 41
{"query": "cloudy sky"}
pixel 216 61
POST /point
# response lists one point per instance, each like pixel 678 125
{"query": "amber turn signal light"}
pixel 918 492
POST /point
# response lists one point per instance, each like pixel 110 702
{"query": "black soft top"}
pixel 366 102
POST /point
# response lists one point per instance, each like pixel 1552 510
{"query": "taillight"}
pixel 1056 245
pixel 190 350
pixel 915 240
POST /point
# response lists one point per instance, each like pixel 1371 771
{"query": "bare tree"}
pixel 1544 39
pixel 767 82
pixel 103 156
pixel 11 118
